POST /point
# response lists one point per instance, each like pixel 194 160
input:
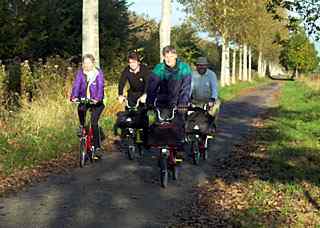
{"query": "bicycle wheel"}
pixel 195 152
pixel 131 148
pixel 208 142
pixel 163 172
pixel 175 172
pixel 83 152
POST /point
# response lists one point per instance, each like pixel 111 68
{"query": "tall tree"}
pixel 90 28
pixel 165 25
pixel 299 54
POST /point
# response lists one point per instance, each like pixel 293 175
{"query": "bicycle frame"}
pixel 167 153
pixel 86 137
pixel 133 135
pixel 197 139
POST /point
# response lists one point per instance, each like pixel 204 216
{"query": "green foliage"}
pixel 308 12
pixel 144 38
pixel 299 53
pixel 34 29
pixel 185 39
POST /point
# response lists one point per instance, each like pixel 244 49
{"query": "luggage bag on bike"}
pixel 200 118
pixel 130 119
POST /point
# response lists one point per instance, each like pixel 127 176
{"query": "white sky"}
pixel 153 9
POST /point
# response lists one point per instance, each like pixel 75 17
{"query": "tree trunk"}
pixel 223 64
pixel 227 69
pixel 234 56
pixel 90 29
pixel 260 65
pixel 250 65
pixel 240 62
pixel 245 63
pixel 165 25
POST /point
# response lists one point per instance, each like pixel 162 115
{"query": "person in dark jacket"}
pixel 170 81
pixel 89 83
pixel 136 74
pixel 170 86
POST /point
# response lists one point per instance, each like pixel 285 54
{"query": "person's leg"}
pixel 214 112
pixel 96 112
pixel 145 125
pixel 82 110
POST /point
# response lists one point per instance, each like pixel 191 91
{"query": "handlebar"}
pixel 132 107
pixel 83 100
pixel 166 119
pixel 204 107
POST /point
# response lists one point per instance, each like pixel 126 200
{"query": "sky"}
pixel 153 9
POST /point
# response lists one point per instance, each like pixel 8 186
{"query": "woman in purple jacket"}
pixel 89 83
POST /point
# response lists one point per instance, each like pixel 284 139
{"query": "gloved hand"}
pixel 143 98
pixel 121 99
pixel 94 101
pixel 74 99
pixel 183 107
pixel 211 102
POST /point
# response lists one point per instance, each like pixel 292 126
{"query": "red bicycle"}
pixel 86 148
pixel 163 137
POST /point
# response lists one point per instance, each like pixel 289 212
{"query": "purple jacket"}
pixel 79 89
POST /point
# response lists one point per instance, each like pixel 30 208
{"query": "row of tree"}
pixel 260 28
pixel 244 31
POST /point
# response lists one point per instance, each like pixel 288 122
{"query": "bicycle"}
pixel 132 132
pixel 86 148
pixel 167 160
pixel 197 138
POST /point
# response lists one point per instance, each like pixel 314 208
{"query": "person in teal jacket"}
pixel 170 81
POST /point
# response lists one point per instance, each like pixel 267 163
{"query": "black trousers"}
pixel 96 110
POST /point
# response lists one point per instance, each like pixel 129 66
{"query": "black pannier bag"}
pixel 170 134
pixel 198 117
pixel 132 119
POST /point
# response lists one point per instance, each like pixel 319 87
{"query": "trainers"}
pixel 97 154
pixel 79 131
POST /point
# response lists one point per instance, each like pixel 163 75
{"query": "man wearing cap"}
pixel 205 89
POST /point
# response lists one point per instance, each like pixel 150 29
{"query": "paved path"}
pixel 120 193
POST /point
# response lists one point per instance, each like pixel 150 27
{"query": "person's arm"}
pixel 76 86
pixel 153 85
pixel 185 92
pixel 213 85
pixel 100 86
pixel 192 86
pixel 146 75
pixel 122 83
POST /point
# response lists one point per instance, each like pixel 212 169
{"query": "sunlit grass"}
pixel 46 128
pixel 292 138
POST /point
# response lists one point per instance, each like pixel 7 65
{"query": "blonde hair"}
pixel 88 56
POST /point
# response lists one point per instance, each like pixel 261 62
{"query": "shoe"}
pixel 212 129
pixel 179 155
pixel 97 154
pixel 79 131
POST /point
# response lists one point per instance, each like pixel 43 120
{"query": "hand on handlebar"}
pixel 142 99
pixel 74 99
pixel 93 101
pixel 211 102
pixel 121 99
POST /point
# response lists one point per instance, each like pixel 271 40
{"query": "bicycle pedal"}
pixel 96 158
